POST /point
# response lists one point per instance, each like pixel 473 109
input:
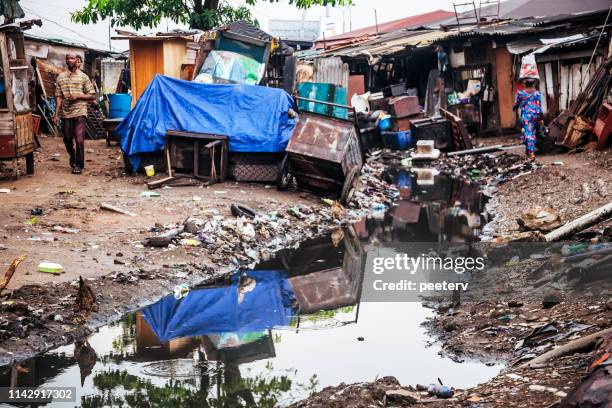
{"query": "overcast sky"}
pixel 56 17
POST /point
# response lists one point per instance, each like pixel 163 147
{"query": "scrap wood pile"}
pixel 588 114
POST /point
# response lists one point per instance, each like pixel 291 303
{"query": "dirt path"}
pixel 106 242
pixel 571 184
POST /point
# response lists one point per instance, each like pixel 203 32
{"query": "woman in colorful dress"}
pixel 529 104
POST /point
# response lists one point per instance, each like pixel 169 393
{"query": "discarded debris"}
pixel 37 211
pixel 66 230
pixel 8 275
pixel 402 396
pixel 150 194
pixel 113 208
pixel 85 298
pixel 157 242
pixel 180 291
pixel 539 219
pixel 571 347
pixel 239 210
pixel 581 223
pixel 50 267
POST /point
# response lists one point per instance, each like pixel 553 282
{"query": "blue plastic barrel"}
pixel 397 140
pixel 119 105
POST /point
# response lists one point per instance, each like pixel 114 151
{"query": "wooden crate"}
pixel 24 134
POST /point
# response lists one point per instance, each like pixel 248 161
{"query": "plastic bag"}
pixel 529 68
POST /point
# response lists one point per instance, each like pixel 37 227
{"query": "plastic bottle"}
pixel 573 249
pixel 440 391
pixel 181 291
pixel 601 245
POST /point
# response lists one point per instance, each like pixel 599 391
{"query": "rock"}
pixel 157 242
pixel 551 298
pixel 450 326
pixel 514 303
pixel 609 304
pixel 402 396
pixel 539 219
pixel 191 226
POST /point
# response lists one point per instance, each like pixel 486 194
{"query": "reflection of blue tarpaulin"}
pixel 216 310
pixel 255 118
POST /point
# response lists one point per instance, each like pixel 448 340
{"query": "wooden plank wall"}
pixel 174 57
pixel 146 60
pixel 505 94
pixel 24 134
pixel 572 79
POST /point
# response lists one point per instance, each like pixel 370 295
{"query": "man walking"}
pixel 73 92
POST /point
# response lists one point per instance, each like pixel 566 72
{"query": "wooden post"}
pixel 582 223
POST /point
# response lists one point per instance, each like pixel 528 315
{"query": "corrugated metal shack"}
pixel 483 55
pixel 563 46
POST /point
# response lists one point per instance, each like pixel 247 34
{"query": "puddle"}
pixel 273 335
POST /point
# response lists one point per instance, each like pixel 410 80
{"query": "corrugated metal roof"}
pixel 541 45
pixel 403 23
pixel 390 43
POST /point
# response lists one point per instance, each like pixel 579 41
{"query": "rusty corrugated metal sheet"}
pixel 331 71
pixel 322 138
pixel 420 20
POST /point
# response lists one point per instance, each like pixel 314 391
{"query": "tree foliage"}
pixel 201 14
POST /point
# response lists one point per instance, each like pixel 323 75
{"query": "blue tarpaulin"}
pixel 266 303
pixel 255 118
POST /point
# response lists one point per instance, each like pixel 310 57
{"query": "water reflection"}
pixel 268 336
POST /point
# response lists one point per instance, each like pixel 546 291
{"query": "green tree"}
pixel 201 14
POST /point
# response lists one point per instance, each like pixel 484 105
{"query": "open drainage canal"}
pixel 272 335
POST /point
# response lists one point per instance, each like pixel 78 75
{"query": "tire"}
pixel 30 163
pixel 283 180
pixel 348 188
pixel 239 210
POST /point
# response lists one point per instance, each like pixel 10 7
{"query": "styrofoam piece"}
pixel 434 155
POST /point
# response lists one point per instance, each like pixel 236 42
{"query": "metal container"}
pixel 323 155
pixel 434 128
pixel 325 275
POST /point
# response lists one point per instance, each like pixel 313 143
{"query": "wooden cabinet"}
pixel 16 127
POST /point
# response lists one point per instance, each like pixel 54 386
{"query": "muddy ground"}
pixel 124 275
pixel 106 248
pixel 572 184
pixel 107 242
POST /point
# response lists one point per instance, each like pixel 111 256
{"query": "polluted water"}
pixel 292 325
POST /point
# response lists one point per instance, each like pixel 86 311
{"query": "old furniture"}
pixel 324 154
pixel 200 156
pixel 16 134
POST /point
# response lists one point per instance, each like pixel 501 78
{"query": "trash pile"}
pixel 249 236
pixel 17 319
pixel 487 168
